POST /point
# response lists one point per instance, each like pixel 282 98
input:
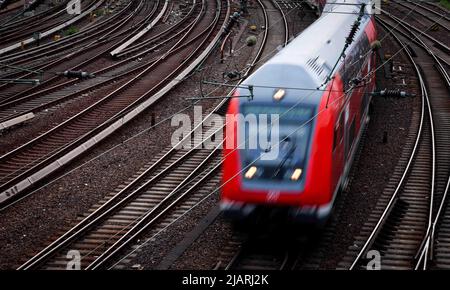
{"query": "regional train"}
pixel 320 101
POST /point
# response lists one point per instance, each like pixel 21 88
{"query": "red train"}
pixel 319 129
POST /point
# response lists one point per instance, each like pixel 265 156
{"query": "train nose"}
pixel 275 173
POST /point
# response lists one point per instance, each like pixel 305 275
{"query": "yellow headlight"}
pixel 250 172
pixel 279 94
pixel 296 175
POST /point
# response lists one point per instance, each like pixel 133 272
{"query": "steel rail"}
pixel 105 99
pixel 384 216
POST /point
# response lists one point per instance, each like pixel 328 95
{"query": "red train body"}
pixel 330 121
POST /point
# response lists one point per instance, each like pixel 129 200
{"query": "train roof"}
pixel 308 59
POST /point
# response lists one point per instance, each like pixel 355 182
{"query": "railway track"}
pixel 257 256
pixel 17 15
pixel 278 34
pixel 55 89
pixel 97 31
pixel 253 252
pixel 144 203
pixel 414 220
pixel 433 8
pixel 178 168
pixel 166 27
pixel 125 20
pixel 34 155
pixel 439 48
pixel 49 94
pixel 404 215
pixel 265 50
pixel 91 46
pixel 432 17
pixel 10 11
pixel 17 101
pixel 18 31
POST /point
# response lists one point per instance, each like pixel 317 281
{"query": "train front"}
pixel 269 149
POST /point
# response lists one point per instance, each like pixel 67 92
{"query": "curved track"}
pixel 91 45
pixel 23 161
pixel 401 221
pixel 246 252
pixel 17 31
pixel 56 89
pixel 143 204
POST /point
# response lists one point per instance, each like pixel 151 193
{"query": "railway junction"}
pixel 91 96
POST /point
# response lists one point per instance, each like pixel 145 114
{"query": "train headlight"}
pixel 296 174
pixel 279 94
pixel 251 172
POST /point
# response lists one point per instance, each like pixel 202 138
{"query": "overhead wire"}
pixel 239 172
pixel 145 130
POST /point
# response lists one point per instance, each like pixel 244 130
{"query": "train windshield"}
pixel 279 143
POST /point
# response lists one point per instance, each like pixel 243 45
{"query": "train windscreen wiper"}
pixel 285 158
